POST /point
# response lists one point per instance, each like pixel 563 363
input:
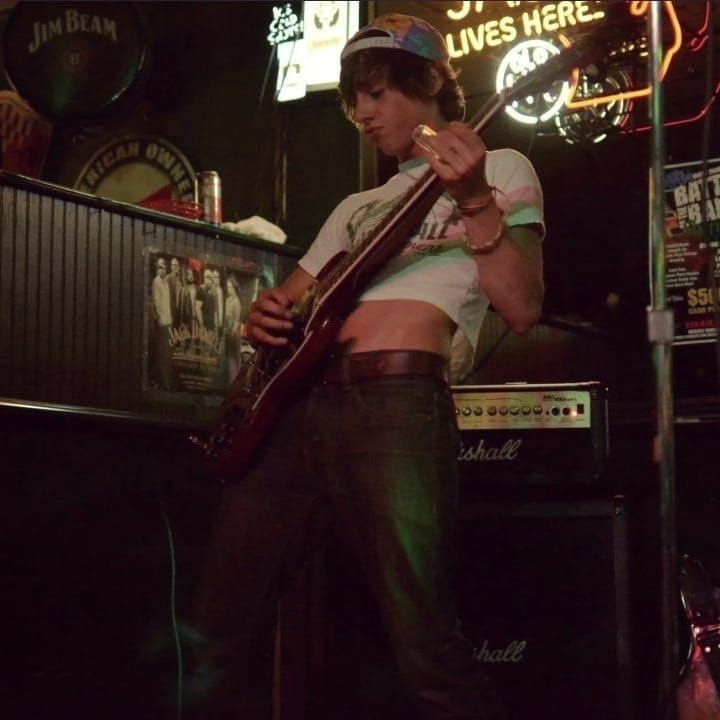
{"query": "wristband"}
pixel 474 208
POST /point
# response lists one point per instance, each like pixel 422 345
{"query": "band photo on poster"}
pixel 195 310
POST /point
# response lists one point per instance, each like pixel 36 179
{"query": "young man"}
pixel 367 453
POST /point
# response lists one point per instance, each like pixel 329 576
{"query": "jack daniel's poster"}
pixel 195 311
pixel 690 248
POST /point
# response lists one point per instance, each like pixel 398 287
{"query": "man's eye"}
pixel 376 94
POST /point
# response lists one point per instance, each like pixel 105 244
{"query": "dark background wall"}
pixel 202 89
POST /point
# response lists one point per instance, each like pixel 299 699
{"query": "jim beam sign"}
pixel 69 22
pixel 74 60
pixel 138 168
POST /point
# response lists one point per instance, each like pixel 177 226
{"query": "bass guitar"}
pixel 262 388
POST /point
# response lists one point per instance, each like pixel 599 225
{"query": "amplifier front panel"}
pixel 530 435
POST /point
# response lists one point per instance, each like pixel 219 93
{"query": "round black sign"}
pixel 73 60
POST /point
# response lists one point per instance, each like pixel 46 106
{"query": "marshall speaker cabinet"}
pixel 542 579
pixel 521 436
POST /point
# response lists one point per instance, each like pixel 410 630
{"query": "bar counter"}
pixel 76 306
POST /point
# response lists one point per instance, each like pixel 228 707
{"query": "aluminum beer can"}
pixel 208 193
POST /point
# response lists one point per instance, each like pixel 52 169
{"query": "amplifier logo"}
pixel 508 451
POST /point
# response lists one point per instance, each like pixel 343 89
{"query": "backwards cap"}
pixel 399 32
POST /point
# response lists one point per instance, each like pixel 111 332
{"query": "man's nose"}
pixel 364 109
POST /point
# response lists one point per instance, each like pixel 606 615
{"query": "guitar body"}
pixel 265 385
pixel 698 697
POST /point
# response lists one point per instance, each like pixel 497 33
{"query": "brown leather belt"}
pixel 343 369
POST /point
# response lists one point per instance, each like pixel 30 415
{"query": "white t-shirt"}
pixel 434 266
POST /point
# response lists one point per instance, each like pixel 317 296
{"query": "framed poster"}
pixel 195 310
pixel 689 249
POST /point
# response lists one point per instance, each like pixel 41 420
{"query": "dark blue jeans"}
pixel 375 461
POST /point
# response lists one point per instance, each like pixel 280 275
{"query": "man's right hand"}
pixel 270 318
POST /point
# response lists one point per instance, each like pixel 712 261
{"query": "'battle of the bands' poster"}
pixel 690 246
pixel 195 310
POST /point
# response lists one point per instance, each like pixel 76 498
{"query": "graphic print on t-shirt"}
pixel 442 228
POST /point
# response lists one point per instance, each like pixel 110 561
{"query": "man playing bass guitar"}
pixel 368 449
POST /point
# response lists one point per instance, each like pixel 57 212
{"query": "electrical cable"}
pixel 287 67
pixel 535 127
pixel 266 77
pixel 173 611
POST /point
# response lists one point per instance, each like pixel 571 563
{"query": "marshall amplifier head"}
pixel 522 435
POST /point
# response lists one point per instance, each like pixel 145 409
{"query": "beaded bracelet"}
pixel 473 211
pixel 489 245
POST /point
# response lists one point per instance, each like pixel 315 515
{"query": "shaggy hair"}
pixel 410 74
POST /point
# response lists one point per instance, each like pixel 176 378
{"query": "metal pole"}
pixel 660 335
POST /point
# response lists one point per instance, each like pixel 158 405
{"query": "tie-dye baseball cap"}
pixel 399 32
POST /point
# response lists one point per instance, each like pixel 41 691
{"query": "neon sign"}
pixel 531 23
pixel 528 28
pixel 637 9
pixel 524 58
pixel 285 25
pixel 311 62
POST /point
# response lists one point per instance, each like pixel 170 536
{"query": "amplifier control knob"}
pixel 537 409
pixel 492 410
pixel 466 411
pixel 514 410
pixel 478 410
pixel 526 410
pixel 503 410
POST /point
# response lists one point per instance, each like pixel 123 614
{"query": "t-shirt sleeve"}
pixel 332 239
pixel 518 194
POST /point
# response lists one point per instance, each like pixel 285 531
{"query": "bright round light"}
pixel 521 60
pixel 590 124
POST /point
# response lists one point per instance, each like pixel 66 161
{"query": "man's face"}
pixel 387 118
pixel 207 278
pixel 216 278
pixel 189 277
pixel 161 268
pixel 174 266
